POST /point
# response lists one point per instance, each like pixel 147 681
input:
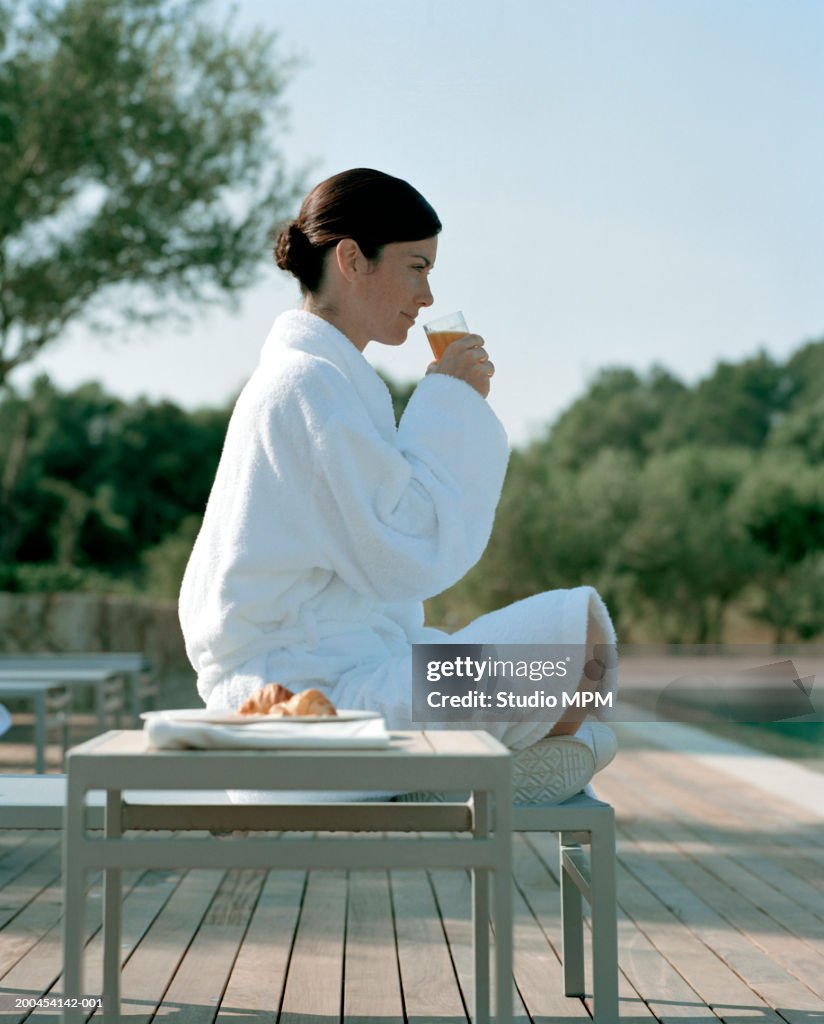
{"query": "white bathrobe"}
pixel 328 526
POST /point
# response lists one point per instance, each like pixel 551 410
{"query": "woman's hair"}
pixel 369 206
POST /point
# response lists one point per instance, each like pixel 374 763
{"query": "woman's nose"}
pixel 426 298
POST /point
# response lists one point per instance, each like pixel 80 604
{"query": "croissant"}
pixel 263 700
pixel 307 702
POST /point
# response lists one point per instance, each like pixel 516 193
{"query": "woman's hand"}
pixel 467 360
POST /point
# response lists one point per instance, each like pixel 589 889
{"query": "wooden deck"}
pixel 721 892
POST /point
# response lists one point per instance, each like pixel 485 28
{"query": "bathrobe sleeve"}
pixel 404 517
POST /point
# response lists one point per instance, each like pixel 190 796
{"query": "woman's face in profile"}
pixel 396 288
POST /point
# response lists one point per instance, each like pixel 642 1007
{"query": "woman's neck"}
pixel 333 315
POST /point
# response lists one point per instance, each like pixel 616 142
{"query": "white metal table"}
pixel 134 667
pixel 416 761
pixel 105 682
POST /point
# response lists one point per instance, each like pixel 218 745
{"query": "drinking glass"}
pixel 444 331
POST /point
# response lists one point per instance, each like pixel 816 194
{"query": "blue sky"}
pixel 621 182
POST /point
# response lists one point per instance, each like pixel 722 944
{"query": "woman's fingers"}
pixel 467 359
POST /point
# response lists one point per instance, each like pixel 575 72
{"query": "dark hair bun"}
pixel 291 249
pixel 296 254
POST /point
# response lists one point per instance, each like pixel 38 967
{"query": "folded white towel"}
pixel 168 734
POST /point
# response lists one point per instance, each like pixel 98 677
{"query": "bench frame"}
pixel 31 802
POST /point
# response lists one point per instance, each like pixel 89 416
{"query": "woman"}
pixel 328 525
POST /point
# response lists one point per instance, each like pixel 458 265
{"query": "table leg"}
pixel 40 712
pixel 74 898
pixel 604 922
pixel 480 914
pixel 572 927
pixel 502 905
pixel 133 681
pixel 112 915
pixel 100 701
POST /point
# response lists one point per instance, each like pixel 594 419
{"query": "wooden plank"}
pixel 372 988
pixel 666 993
pixel 22 856
pixel 143 901
pixel 430 987
pixel 769 980
pixel 315 979
pixel 719 987
pixel 769 934
pixel 259 974
pixel 30 937
pixel 728 795
pixel 734 804
pixel 33 878
pixel 203 973
pixel 719 821
pixel 150 968
pixel 801 912
pixel 36 972
pixel 145 894
pixel 13 840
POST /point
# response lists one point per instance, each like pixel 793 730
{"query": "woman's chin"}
pixel 393 340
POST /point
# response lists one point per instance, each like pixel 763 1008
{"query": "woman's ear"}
pixel 350 259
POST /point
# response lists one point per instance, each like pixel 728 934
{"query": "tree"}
pixel 780 504
pixel 738 403
pixel 801 431
pixel 620 411
pixel 95 481
pixel 139 167
pixel 805 371
pixel 686 553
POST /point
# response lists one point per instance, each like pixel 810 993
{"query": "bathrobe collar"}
pixel 305 332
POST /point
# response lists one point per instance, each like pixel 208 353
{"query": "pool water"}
pixel 800 742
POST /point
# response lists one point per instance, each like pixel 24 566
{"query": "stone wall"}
pixel 73 622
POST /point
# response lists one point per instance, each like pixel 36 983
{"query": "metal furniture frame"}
pixel 584 821
pixel 133 668
pixel 119 761
pixel 586 853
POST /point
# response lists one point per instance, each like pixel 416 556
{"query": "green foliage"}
pixel 781 506
pixel 35 578
pixel 679 504
pixel 620 411
pixel 88 480
pixel 685 551
pixel 675 532
pixel 165 563
pixel 801 430
pixel 738 404
pixel 139 162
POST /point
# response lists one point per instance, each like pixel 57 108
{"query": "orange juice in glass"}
pixel 442 332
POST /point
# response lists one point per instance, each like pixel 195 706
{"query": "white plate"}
pixel 203 716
